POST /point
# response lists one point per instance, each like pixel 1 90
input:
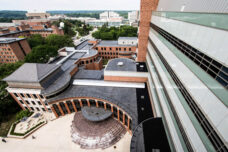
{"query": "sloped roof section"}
pixel 31 72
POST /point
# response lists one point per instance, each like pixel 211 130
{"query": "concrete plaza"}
pixel 55 136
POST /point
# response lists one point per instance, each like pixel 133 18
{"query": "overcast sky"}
pixel 43 5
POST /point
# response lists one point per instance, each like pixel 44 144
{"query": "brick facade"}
pixel 115 52
pixel 14 51
pixel 116 116
pixel 146 8
pixel 125 79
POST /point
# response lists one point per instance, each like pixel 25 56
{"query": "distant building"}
pixel 13 49
pixel 108 15
pixel 133 17
pixel 37 15
pixel 124 47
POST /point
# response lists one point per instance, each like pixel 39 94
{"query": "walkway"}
pixel 56 137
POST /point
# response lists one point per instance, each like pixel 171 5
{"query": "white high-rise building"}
pixel 133 16
pixel 109 15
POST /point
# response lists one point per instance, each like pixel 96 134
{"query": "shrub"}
pixel 22 114
pixel 22 134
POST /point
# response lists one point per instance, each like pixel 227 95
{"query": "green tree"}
pixel 113 33
pixel 68 28
pixel 22 114
pixel 41 54
pixel 59 40
pixel 36 40
pixel 7 104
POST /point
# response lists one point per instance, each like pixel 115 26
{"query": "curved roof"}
pixel 125 98
pixel 128 65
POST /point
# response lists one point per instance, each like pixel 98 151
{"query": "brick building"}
pixel 44 32
pixel 29 27
pixel 173 98
pixel 13 49
pixel 124 47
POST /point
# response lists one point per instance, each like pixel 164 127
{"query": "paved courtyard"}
pixel 56 137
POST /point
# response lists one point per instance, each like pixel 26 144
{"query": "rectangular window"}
pixel 27 101
pixel 16 94
pixel 33 103
pixel 39 103
pixel 22 95
pixel 32 108
pixel 28 95
pixel 38 109
pixel 21 102
pixel 35 96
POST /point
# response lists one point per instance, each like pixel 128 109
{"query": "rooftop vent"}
pixel 120 63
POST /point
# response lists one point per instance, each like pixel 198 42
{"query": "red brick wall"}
pixel 113 53
pixel 125 79
pixel 17 50
pixel 146 8
pixel 25 45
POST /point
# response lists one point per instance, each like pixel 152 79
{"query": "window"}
pixel 119 49
pixel 70 106
pixel 21 102
pixel 129 49
pixel 32 108
pixel 115 112
pixel 41 96
pixel 125 49
pixel 26 108
pixel 84 102
pixel 116 49
pixel 27 101
pixel 38 109
pixel 121 115
pixel 22 95
pixel 62 105
pixel 110 48
pixel 77 104
pixel 33 103
pixel 35 96
pixel 126 120
pixel 39 103
pixel 100 104
pixel 87 61
pixel 49 109
pixel 92 103
pixel 101 48
pixel 108 106
pixel 56 108
pixel 43 109
pixel 15 94
pixel 91 61
pixel 28 95
pixel 104 48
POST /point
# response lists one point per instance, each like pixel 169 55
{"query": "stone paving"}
pixel 55 136
pixel 93 135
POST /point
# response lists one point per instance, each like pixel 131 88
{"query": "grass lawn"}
pixel 5 126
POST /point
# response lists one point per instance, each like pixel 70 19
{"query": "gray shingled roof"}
pixel 31 72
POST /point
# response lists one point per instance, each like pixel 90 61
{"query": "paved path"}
pixel 56 137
